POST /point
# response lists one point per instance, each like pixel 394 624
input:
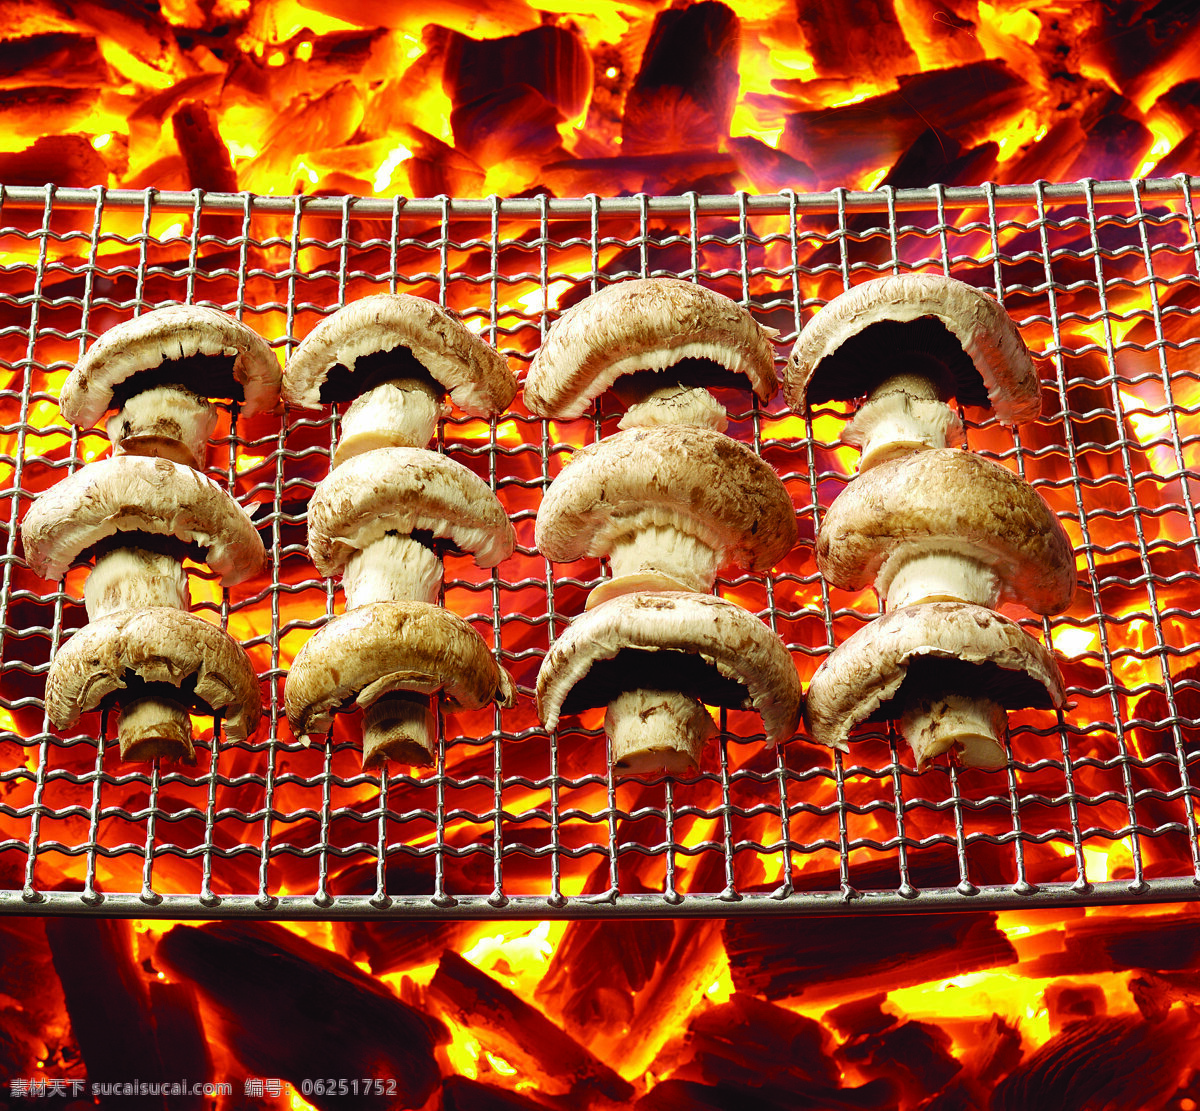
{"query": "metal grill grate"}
pixel 1096 805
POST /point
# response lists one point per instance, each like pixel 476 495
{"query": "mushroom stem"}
pixel 132 578
pixel 675 403
pixel 154 726
pixel 943 575
pixel 166 421
pixel 973 726
pixel 398 727
pixel 393 569
pixel 903 414
pixel 657 557
pixel 403 412
pixel 652 731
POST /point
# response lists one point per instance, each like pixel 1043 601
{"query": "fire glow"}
pixel 283 98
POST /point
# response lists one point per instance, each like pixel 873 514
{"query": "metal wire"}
pixel 1095 806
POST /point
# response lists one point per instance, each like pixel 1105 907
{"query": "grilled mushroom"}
pixel 668 507
pixel 395 357
pixel 653 658
pixel 947 525
pixel 139 517
pixel 162 665
pixel 945 671
pixel 910 343
pixel 665 340
pixel 363 517
pixel 389 658
pixel 160 370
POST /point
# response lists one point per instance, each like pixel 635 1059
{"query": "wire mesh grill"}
pixel 1095 805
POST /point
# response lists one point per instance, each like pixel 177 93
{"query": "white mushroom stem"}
pixel 167 421
pixel 393 569
pixel 132 578
pixel 663 550
pixel 155 726
pixel 653 731
pixel 903 414
pixel 399 727
pixel 675 403
pixel 910 578
pixel 974 727
pixel 403 412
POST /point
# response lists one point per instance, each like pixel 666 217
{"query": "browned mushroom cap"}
pixel 386 647
pixel 139 651
pixel 698 644
pixel 373 339
pixel 404 490
pixel 140 494
pixel 648 324
pixel 954 506
pixel 924 652
pixel 207 351
pixel 710 501
pixel 957 335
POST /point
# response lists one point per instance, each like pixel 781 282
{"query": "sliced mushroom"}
pixel 390 658
pixel 362 517
pixel 160 370
pixel 166 663
pixel 910 343
pixel 653 658
pixel 666 339
pixel 947 525
pixel 668 507
pixel 945 671
pixel 395 356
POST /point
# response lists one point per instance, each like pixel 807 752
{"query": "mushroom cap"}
pixel 671 640
pixel 384 647
pixel 946 499
pixel 162 645
pixel 865 334
pixel 928 649
pixel 404 490
pixel 696 479
pixel 474 373
pixel 644 324
pixel 169 333
pixel 146 494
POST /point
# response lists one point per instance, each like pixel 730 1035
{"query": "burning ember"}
pixel 393 960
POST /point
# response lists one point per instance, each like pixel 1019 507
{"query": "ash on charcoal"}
pixel 683 96
pixel 288 1007
pixel 520 1034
